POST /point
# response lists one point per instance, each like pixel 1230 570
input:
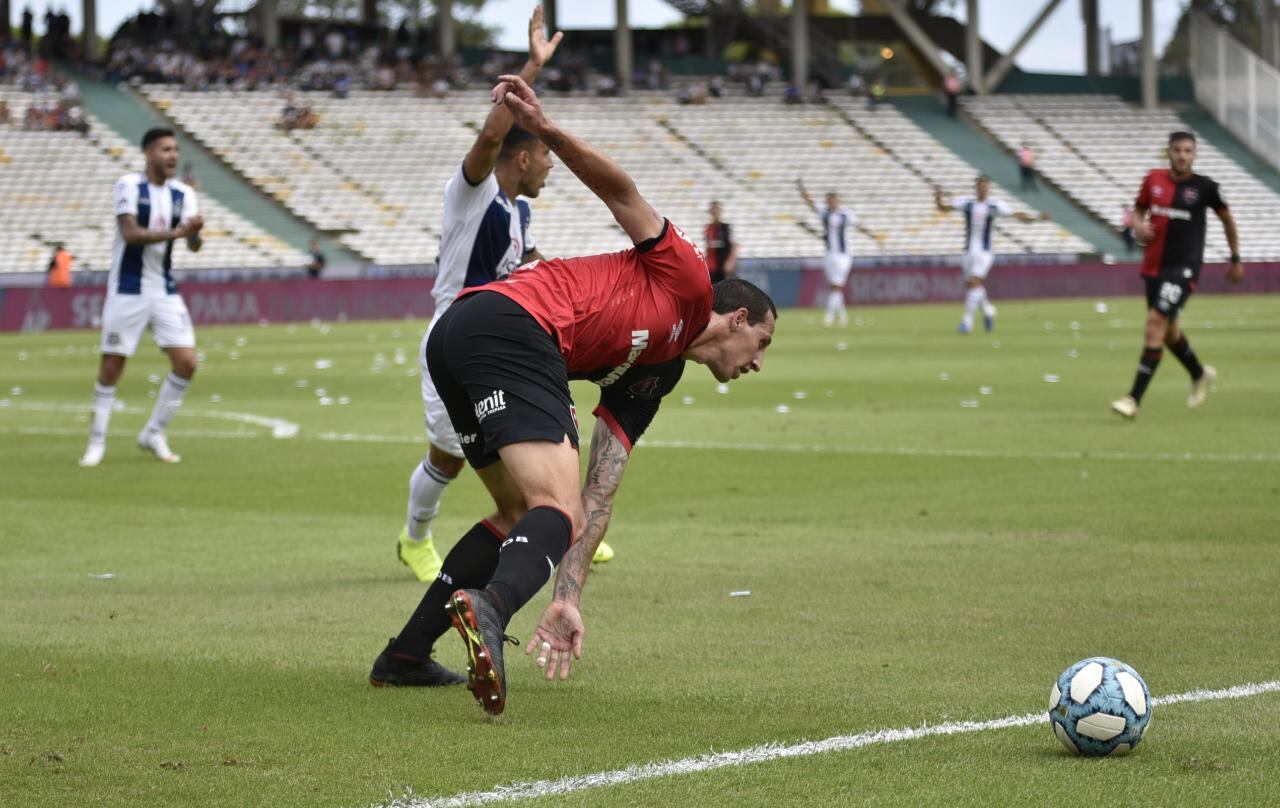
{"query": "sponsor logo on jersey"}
pixel 494 402
pixel 1190 195
pixel 1171 213
pixel 639 341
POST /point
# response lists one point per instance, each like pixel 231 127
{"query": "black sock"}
pixel 537 543
pixel 1146 369
pixel 1188 358
pixel 469 565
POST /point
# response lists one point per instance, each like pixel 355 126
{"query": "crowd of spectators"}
pixel 54 105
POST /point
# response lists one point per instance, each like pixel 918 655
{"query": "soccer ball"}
pixel 1099 706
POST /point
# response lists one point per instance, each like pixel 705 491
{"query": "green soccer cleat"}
pixel 419 556
pixel 604 554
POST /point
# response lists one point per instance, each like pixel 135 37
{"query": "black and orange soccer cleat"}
pixel 478 622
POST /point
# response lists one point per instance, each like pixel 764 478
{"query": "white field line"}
pixel 773 751
pixel 281 428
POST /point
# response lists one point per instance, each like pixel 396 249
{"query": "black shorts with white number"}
pixel 1168 293
pixel 501 377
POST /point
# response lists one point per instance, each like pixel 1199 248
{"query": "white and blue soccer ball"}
pixel 1099 706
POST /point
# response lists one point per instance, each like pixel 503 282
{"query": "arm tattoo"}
pixel 604 475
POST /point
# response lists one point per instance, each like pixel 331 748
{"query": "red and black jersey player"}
pixel 501 358
pixel 1170 218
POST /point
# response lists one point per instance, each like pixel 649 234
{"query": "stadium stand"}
pixel 374 165
pixel 56 187
pixel 1097 149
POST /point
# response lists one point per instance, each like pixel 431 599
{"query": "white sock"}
pixel 426 486
pixel 103 399
pixel 971 300
pixel 167 402
pixel 835 304
pixel 987 309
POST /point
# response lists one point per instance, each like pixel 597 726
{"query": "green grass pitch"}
pixel 932 531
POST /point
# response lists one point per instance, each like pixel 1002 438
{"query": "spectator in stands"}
pixel 791 95
pixel 857 87
pixel 951 86
pixel 815 94
pixel 755 86
pixel 28 28
pixel 5 116
pixel 606 86
pixel 715 88
pixel 316 266
pixel 60 267
pixel 1027 167
pixel 875 93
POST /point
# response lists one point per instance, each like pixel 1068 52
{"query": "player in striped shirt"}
pixel 484 236
pixel 980 214
pixel 836 221
pixel 153 210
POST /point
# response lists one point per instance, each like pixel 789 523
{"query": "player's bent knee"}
pixel 445 462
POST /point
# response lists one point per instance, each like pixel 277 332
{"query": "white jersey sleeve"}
pixel 190 205
pixel 126 195
pixel 850 217
pixel 960 203
pixel 464 201
pixel 1001 208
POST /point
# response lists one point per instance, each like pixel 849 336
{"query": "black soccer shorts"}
pixel 501 377
pixel 1168 293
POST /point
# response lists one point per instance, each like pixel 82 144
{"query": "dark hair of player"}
pixel 155 134
pixel 732 294
pixel 516 141
pixel 982 178
pixel 1174 137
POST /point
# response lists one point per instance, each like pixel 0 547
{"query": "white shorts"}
pixel 125 317
pixel 977 265
pixel 439 428
pixel 837 268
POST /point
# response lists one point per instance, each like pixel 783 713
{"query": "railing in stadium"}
pixel 1240 89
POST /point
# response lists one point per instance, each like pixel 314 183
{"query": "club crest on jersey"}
pixel 494 402
pixel 1190 195
pixel 645 387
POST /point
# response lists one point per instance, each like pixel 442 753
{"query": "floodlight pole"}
pixel 625 60
pixel 1092 38
pixel 444 22
pixel 1269 54
pixel 800 43
pixel 1150 95
pixel 269 20
pixel 89 38
pixel 549 15
pixel 973 50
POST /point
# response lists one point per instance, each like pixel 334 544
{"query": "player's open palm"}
pixel 557 638
pixel 540 50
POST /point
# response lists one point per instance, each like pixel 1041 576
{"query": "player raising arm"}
pixel 502 357
pixel 484 235
pixel 838 260
pixel 980 212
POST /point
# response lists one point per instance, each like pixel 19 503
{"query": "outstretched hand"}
pixel 540 50
pixel 558 635
pixel 518 97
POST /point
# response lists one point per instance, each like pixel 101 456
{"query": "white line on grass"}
pixel 773 751
pixel 281 428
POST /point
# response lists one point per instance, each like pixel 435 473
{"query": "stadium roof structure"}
pixel 799 39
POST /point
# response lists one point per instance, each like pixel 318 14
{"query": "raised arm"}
pixel 804 194
pixel 484 152
pixel 1236 271
pixel 943 205
pixel 560 630
pixel 604 177
pixel 1027 218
